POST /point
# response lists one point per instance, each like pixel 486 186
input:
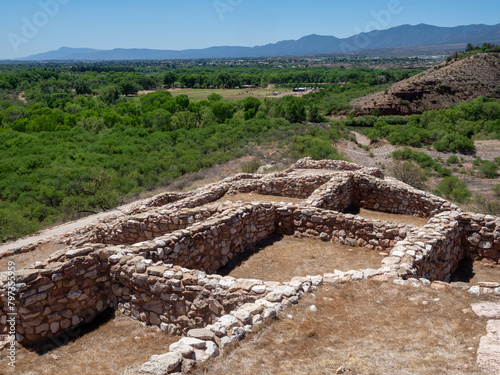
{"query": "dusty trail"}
pixel 362 139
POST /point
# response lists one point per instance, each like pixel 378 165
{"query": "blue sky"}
pixel 32 26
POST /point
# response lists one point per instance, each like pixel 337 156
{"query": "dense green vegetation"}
pixel 453 188
pixel 50 176
pixel 422 159
pixel 451 129
pixel 84 142
pixel 77 139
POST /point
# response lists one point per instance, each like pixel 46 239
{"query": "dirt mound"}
pixel 448 83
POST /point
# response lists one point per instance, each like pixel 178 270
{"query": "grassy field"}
pixel 202 94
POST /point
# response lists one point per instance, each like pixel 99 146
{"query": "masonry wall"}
pixel 341 228
pixel 292 187
pixel 335 195
pixel 433 251
pixel 158 201
pixel 481 236
pixel 175 299
pixel 334 165
pixel 62 295
pixel 147 226
pixel 210 245
pixel 394 197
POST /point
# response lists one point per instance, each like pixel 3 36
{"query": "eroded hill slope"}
pixel 437 88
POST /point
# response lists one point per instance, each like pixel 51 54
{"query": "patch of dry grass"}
pixel 367 327
pixel 485 272
pixel 27 259
pixel 393 218
pixel 112 346
pixel 279 258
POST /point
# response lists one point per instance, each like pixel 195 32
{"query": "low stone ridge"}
pixel 157 263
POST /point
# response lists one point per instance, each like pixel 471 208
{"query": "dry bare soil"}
pixel 113 344
pixel 368 328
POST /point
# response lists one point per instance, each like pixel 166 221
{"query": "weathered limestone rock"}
pixel 488 353
pixel 490 310
pixel 201 334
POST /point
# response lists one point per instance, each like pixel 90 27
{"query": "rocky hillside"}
pixel 448 83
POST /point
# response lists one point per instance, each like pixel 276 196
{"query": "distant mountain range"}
pixel 396 37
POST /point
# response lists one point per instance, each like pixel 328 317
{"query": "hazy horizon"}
pixel 33 27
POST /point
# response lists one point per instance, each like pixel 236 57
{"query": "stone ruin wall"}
pixel 481 234
pixel 150 280
pixel 395 197
pixel 69 290
pixel 176 299
pixel 210 245
pixel 291 187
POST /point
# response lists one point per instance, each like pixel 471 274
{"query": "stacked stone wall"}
pixel 335 195
pixel 60 296
pixel 334 165
pixel 147 226
pixel 292 187
pixel 176 299
pixel 159 200
pixel 481 236
pixel 341 228
pixel 432 252
pixel 395 197
pixel 210 245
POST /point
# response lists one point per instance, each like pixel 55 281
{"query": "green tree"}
pixel 82 87
pixel 213 97
pixel 182 102
pixel 250 106
pixel 110 94
pixel 222 111
pixel 159 119
pixel 91 192
pixel 183 120
pixel 170 79
pixel 488 169
pixel 129 88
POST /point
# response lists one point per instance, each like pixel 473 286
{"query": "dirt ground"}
pixel 280 258
pixel 27 259
pixel 111 345
pixel 368 328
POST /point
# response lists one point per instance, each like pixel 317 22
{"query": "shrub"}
pixel 409 173
pixel 488 169
pixel 496 189
pixel 453 188
pixel 251 166
pixel 453 159
pixel 444 172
